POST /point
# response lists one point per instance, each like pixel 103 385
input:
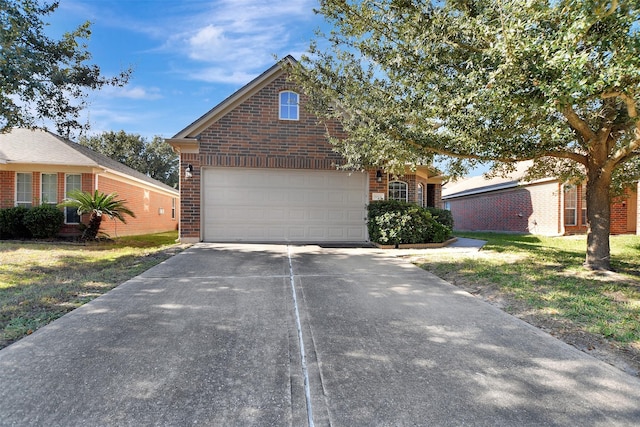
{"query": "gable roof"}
pixel 481 184
pixel 40 147
pixel 234 100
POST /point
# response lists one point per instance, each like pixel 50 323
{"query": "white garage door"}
pixel 281 205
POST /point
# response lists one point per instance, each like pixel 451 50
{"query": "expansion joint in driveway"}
pixel 303 356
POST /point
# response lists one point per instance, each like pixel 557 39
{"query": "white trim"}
pixel 289 106
pixel 15 198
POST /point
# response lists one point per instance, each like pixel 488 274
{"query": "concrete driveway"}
pixel 227 335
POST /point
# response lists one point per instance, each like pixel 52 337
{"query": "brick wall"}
pixel 146 204
pixel 533 209
pixel 536 209
pixel 253 136
pixel 152 209
pixel 7 189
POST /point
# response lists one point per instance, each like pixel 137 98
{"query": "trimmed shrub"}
pixel 12 223
pixel 44 221
pixel 442 216
pixel 394 222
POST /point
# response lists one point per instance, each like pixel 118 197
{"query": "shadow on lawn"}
pixel 48 292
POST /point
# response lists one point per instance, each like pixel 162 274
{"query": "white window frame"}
pixel 66 194
pixel 392 191
pixel 583 206
pixel 420 194
pixel 45 195
pixel 570 205
pixel 24 197
pixel 173 208
pixel 288 107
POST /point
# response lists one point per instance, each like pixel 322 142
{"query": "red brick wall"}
pixel 146 204
pixel 253 136
pixel 500 211
pixel 540 206
pixel 7 189
pixel 147 209
pixel 190 197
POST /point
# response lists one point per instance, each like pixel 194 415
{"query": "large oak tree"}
pixel 44 80
pixel 495 81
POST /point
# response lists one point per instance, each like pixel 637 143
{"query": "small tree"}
pixel 96 205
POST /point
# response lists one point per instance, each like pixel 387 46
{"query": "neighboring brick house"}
pixel 39 167
pixel 545 207
pixel 259 168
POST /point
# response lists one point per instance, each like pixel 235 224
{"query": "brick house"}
pixel 545 206
pixel 259 168
pixel 39 167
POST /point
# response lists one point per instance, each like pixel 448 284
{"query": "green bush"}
pixel 12 223
pixel 393 222
pixel 442 216
pixel 44 221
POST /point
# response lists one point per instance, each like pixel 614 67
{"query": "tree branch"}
pixel 578 124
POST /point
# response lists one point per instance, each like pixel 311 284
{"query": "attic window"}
pixel 288 105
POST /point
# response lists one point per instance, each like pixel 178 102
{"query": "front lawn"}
pixel 40 282
pixel 542 280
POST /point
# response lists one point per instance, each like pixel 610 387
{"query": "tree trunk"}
pixel 599 220
pixel 91 232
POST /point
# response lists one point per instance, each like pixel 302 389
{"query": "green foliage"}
pixel 97 205
pixel 442 216
pixel 489 82
pixel 155 159
pixel 44 221
pixel 12 223
pixel 394 222
pixel 42 79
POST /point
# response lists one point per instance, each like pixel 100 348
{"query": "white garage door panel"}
pixel 283 205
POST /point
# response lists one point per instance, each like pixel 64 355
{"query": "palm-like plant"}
pixel 96 205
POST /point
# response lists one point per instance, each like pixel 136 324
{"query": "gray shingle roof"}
pixel 26 146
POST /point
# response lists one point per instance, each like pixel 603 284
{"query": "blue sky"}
pixel 187 55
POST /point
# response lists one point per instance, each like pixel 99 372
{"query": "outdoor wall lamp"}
pixel 188 171
pixel 379 175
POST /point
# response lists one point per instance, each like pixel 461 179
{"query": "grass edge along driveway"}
pixel 40 281
pixel 542 281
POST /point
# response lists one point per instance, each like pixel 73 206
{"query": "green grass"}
pixel 40 282
pixel 543 278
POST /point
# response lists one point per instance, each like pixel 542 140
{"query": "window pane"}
pixel 421 195
pixel 398 191
pixel 23 189
pixel 49 190
pixel 288 105
pixel 72 182
pixel 570 205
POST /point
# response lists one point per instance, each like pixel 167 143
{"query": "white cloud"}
pixel 237 38
pixel 222 75
pixel 138 92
